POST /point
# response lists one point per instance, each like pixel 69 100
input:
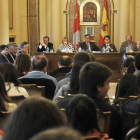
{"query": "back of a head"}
pixel 128 61
pixel 92 58
pixel 39 62
pixel 23 63
pixel 137 61
pixel 128 86
pixel 93 74
pixel 65 61
pixel 32 116
pixel 77 109
pixel 81 56
pixel 9 73
pixel 58 134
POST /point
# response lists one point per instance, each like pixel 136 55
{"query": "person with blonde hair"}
pixel 66 46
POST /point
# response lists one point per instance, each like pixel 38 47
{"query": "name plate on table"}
pixel 96 51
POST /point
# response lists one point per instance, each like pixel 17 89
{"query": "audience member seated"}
pixel 58 134
pixel 71 87
pixel 129 65
pixel 65 46
pixel 108 47
pixel 4 54
pixel 44 44
pixel 87 45
pixel 6 104
pixel 132 46
pixel 137 64
pixel 23 48
pixel 23 64
pixel 128 86
pixel 38 76
pixel 32 116
pixel 82 115
pixel 15 49
pixel 94 81
pixel 64 64
pixel 133 106
pixel 9 73
pixel 11 55
pixel 92 57
pixel 81 56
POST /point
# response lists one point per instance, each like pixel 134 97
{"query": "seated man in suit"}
pixel 11 55
pixel 23 48
pixel 108 47
pixel 64 64
pixel 87 45
pixel 4 54
pixel 132 46
pixel 15 49
pixel 44 44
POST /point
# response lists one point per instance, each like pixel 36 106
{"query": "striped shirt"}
pixel 63 48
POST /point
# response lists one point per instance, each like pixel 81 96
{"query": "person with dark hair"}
pixel 4 54
pixel 108 47
pixel 6 104
pixel 64 65
pixel 32 116
pixel 92 57
pixel 39 69
pixel 11 80
pixel 11 55
pixel 71 87
pixel 137 64
pixel 58 134
pixel 94 81
pixel 132 46
pixel 23 64
pixel 87 45
pixel 81 56
pixel 82 115
pixel 23 48
pixel 44 44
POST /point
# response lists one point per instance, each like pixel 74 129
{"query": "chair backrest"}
pixel 49 85
pixel 91 138
pixel 104 121
pixel 34 90
pixel 133 119
pixel 17 98
pixel 59 76
pixel 123 100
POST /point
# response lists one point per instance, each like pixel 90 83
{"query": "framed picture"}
pixel 89 12
pixel 90 30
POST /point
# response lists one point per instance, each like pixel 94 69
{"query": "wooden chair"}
pixel 133 119
pixel 17 98
pixel 34 90
pixel 104 121
pixel 59 76
pixel 122 100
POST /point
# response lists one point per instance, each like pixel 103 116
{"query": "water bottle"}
pixel 80 49
pixel 67 49
pixel 47 49
pixel 103 50
pixel 126 49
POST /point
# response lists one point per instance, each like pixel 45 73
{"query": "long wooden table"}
pixel 112 60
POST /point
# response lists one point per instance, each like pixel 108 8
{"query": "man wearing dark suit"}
pixel 11 55
pixel 64 64
pixel 87 45
pixel 132 46
pixel 44 44
pixel 107 47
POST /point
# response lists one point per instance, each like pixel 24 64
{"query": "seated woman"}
pixel 6 104
pixel 32 116
pixel 11 80
pixel 23 64
pixel 65 47
pixel 82 115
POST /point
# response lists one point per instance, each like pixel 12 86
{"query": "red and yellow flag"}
pixel 76 28
pixel 105 24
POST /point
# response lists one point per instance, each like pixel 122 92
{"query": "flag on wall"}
pixel 76 29
pixel 105 24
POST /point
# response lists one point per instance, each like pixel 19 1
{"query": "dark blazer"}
pixel 50 45
pixel 3 59
pixel 92 46
pixel 11 57
pixel 111 45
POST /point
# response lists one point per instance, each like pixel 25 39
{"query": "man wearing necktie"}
pixel 108 47
pixel 87 45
